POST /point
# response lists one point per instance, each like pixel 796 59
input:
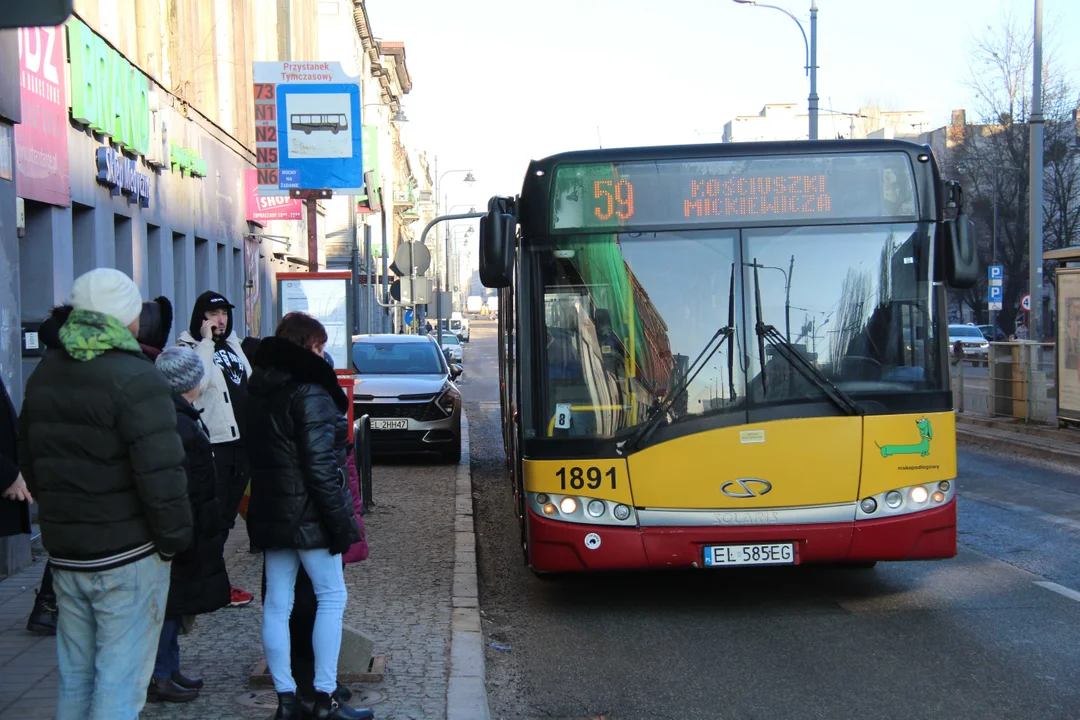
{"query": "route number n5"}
pixel 578 477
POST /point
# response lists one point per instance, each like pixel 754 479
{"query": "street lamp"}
pixel 811 56
pixel 787 291
pixel 468 180
pixel 399 115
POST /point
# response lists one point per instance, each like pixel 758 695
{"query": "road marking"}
pixel 1059 589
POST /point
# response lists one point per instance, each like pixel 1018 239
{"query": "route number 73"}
pixel 579 477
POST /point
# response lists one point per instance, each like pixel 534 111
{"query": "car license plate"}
pixel 756 554
pixel 389 424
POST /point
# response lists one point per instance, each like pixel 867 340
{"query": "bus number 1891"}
pixel 579 477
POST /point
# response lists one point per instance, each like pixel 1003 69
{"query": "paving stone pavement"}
pixel 400 598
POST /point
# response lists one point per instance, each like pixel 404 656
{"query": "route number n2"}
pixel 579 477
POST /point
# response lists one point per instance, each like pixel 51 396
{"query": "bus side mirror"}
pixel 961 258
pixel 497 244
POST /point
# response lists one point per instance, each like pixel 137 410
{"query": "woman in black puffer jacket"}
pixel 300 511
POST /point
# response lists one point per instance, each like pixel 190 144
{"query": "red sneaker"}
pixel 241 598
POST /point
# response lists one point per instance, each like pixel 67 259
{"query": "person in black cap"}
pixel 222 400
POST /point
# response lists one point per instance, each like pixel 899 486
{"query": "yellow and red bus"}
pixel 726 355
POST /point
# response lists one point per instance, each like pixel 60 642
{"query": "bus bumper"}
pixel 563 547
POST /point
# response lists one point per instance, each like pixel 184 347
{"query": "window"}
pixel 396 358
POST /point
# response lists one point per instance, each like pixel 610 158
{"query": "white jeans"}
pixel 328 581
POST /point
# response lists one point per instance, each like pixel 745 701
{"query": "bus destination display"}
pixel 849 187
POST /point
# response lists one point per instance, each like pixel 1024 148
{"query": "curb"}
pixel 970 436
pixel 466 693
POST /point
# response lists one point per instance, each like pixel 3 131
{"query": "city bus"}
pixel 333 123
pixel 729 355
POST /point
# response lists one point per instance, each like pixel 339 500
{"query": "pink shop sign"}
pixel 41 147
pixel 261 209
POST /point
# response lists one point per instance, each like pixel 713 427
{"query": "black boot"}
pixel 43 616
pixel 185 682
pixel 168 691
pixel 328 707
pixel 288 707
pixel 343 694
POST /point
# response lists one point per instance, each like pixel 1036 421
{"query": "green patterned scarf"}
pixel 87 334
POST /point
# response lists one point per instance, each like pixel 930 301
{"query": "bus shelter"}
pixel 1067 356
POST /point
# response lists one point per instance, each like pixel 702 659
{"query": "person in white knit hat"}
pixel 99 450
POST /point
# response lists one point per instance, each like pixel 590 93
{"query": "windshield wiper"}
pixel 768 333
pixel 722 335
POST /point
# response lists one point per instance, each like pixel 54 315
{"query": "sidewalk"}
pixel 1040 441
pixel 402 598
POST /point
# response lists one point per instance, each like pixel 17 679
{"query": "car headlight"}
pixel 448 400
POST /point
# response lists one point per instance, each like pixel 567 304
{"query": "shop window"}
pixel 83 238
pixel 223 274
pixel 36 262
pixel 202 265
pixel 153 260
pixel 239 292
pixel 181 297
pixel 125 245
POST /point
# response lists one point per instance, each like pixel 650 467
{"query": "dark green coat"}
pixel 99 450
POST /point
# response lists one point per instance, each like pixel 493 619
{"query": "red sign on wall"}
pixel 261 208
pixel 41 147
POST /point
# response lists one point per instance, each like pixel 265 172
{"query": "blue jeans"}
pixel 168 650
pixel 107 632
pixel 328 581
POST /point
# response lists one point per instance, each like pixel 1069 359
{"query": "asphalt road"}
pixel 972 637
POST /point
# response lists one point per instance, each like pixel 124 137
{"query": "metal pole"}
pixel 385 264
pixel 813 71
pixel 364 445
pixel 312 235
pixel 994 242
pixel 370 280
pixel 1035 212
pixel 787 299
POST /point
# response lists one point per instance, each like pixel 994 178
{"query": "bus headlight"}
pixel 568 505
pixel 595 508
pixel 906 500
pixel 621 512
pixel 578 509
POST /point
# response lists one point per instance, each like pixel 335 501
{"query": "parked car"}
pixel 974 343
pixel 406 387
pixel 452 345
pixel 998 334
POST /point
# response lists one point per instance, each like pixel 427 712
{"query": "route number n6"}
pixel 579 477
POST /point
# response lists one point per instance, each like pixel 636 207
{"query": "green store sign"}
pixel 108 93
pixel 186 161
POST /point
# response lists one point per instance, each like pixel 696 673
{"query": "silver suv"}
pixel 406 387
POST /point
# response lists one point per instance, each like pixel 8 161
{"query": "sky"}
pixel 497 83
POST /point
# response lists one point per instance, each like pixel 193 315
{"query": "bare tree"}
pixel 991 157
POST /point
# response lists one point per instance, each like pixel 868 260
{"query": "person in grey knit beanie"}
pixel 183 370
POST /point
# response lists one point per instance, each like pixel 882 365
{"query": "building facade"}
pixel 127 140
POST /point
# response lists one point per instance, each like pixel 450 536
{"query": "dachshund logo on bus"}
pixel 926 433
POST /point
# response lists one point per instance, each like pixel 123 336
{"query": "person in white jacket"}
pixel 222 399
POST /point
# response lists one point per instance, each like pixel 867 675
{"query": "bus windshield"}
pixel 625 315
